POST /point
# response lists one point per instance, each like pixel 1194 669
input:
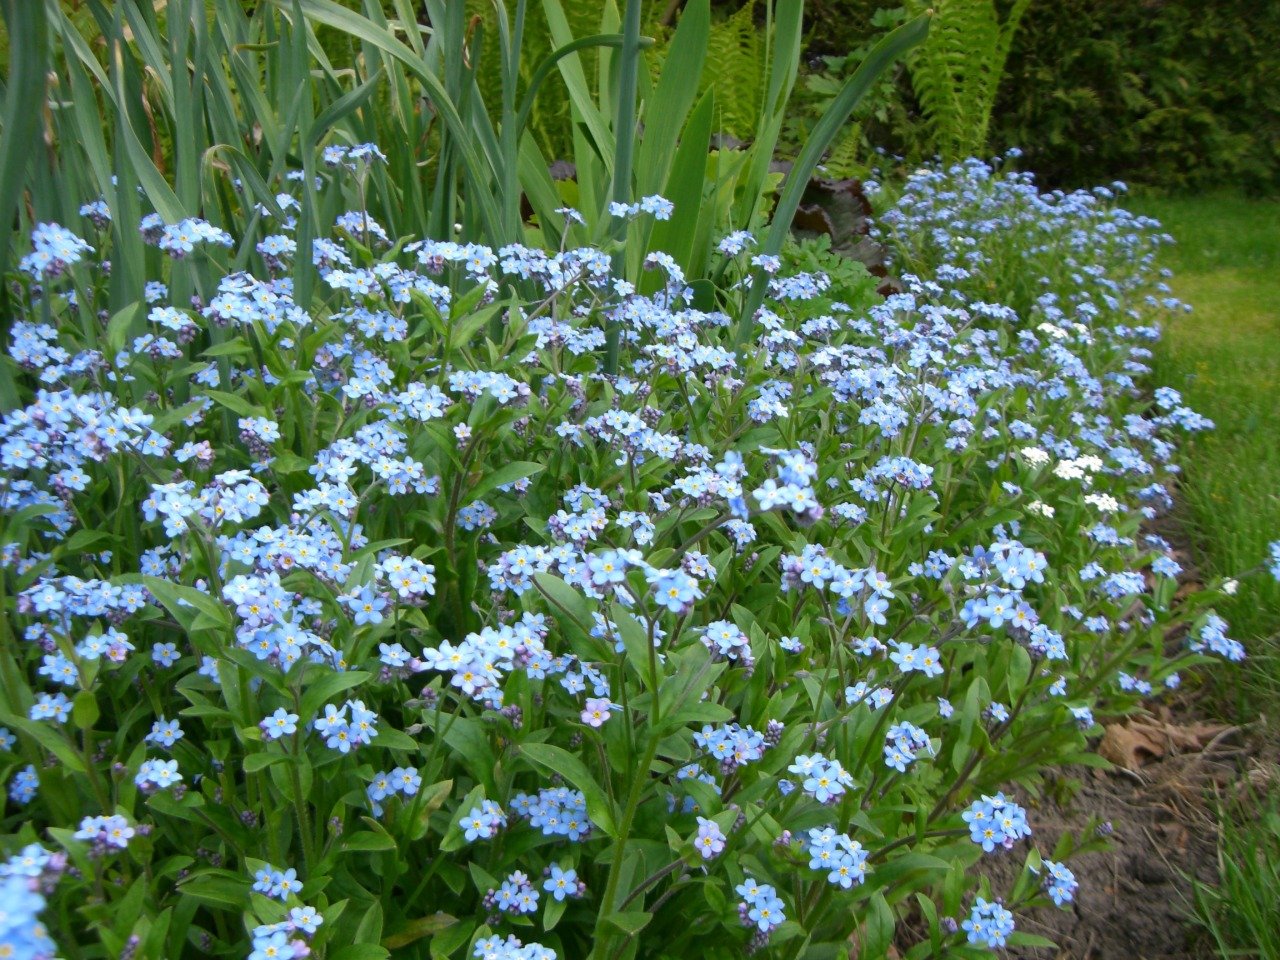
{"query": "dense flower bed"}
pixel 339 625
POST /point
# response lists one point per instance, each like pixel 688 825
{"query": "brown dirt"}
pixel 1134 897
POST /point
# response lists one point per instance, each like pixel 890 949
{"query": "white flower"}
pixel 1103 501
pixel 1090 462
pixel 1068 470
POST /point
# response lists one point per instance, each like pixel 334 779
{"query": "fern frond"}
pixel 957 71
pixel 843 160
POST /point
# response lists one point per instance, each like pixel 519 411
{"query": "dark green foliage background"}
pixel 1179 94
pixel 1176 94
pixel 1173 93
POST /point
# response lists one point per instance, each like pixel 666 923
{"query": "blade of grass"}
pixel 552 60
pixel 27 27
pixel 884 54
pixel 686 186
pixel 479 169
pixel 783 34
pixel 575 80
pixel 624 131
pixel 152 181
pixel 510 41
pixel 535 179
pixel 672 99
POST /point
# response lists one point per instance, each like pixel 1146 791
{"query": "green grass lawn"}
pixel 1225 358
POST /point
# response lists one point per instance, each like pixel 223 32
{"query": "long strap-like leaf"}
pixel 885 53
pixel 28 52
pixel 479 168
pixel 624 134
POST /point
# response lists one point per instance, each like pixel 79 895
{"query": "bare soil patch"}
pixel 1135 897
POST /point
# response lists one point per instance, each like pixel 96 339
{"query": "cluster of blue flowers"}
pixel 902 743
pixel 25 879
pixel 517 895
pixel 821 778
pixel 1212 638
pixel 761 907
pixel 401 781
pixel 396 566
pixel 988 924
pixel 557 812
pixel 286 939
pixel 996 822
pixel 483 822
pixel 840 857
pixel 1059 882
pixel 281 884
pixel 343 733
pixel 106 834
pixel 510 948
pixel 55 249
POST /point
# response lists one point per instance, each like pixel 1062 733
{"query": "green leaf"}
pixel 329 686
pixel 183 602
pixel 973 700
pixel 370 929
pixel 1020 938
pixel 260 761
pixel 450 939
pixel 678 236
pixel 25 83
pixel 289 462
pixel 469 739
pixel 672 98
pixel 877 929
pixel 344 106
pixel 433 798
pixel 630 921
pixel 635 640
pixel 698 713
pixel 897 868
pixel 882 56
pixel 121 325
pixel 85 712
pixel 85 541
pixel 454 837
pixel 368 840
pixel 221 889
pixel 415 930
pixel 594 125
pixel 568 601
pixel 232 348
pixel 481 878
pixel 361 951
pixel 554 911
pixel 565 764
pixel 543 70
pixel 234 402
pixel 478 167
pixel 393 739
pixel 507 473
pixel 48 738
pixel 170 418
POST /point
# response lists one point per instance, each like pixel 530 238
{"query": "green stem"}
pixel 641 779
pixel 624 133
